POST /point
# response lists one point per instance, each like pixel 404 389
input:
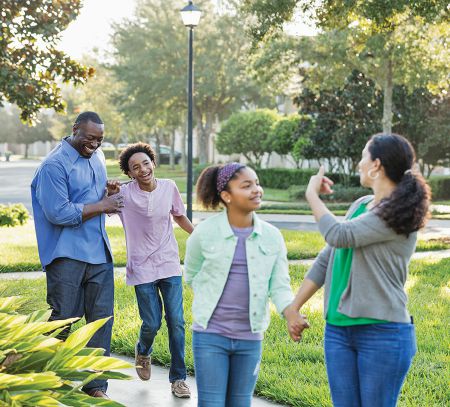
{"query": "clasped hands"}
pixel 112 201
pixel 296 322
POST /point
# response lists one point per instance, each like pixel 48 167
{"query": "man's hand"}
pixel 112 187
pixel 111 204
pixel 296 323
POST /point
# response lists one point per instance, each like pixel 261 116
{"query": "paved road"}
pixel 16 176
pixel 15 181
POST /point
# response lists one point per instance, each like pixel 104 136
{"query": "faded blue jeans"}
pixel 76 288
pixel 367 364
pixel 226 369
pixel 150 298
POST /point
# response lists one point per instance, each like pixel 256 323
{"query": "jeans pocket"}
pixel 389 327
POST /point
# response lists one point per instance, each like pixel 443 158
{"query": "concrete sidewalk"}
pixel 156 392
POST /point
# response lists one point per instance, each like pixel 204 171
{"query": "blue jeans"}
pixel 76 288
pixel 226 369
pixel 150 310
pixel 367 364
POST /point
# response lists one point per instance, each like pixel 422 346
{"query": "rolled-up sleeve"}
pixel 362 231
pixel 53 197
pixel 280 291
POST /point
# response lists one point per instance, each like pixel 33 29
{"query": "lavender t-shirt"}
pixel 152 251
pixel 231 316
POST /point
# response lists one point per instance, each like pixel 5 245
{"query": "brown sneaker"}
pixel 98 393
pixel 143 365
pixel 181 389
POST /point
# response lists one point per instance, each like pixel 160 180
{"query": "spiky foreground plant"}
pixel 36 369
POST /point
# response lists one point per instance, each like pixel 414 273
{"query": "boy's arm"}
pixel 184 223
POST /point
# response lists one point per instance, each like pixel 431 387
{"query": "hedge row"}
pixel 440 187
pixel 341 193
pixel 283 178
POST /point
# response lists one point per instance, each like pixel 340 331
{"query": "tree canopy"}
pixel 248 133
pixel 391 42
pixel 31 66
pixel 151 60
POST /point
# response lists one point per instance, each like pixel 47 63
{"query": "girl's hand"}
pixel 296 323
pixel 319 184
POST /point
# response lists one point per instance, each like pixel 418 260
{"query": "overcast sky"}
pixel 93 27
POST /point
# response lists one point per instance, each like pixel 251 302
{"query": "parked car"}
pixel 164 155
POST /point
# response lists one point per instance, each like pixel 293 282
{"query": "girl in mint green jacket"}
pixel 234 262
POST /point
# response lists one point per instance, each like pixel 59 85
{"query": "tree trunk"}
pixel 205 136
pixel 172 150
pixel 387 99
pixel 26 150
pixel 157 145
pixel 183 152
pixel 268 159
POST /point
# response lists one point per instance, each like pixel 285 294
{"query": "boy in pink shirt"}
pixel 153 263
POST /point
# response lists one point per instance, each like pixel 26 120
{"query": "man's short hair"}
pixel 88 117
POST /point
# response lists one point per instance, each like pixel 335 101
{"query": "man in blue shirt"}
pixel 69 205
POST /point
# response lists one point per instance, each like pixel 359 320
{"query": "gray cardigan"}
pixel 379 266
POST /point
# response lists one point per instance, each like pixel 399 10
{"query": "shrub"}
pixel 341 193
pixel 197 169
pixel 283 178
pixel 13 215
pixel 440 187
pixel 36 369
pixel 338 178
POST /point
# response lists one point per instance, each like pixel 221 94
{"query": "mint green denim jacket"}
pixel 209 254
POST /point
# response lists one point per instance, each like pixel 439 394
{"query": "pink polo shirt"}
pixel 152 251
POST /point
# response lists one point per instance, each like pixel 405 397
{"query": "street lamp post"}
pixel 191 17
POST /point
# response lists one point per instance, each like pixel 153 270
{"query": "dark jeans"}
pixel 226 369
pixel 150 310
pixel 367 364
pixel 74 289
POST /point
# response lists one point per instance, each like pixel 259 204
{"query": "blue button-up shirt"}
pixel 62 185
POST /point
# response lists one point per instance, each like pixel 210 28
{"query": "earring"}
pixel 229 200
pixel 369 174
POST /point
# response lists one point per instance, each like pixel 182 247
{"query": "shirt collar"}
pixel 226 230
pixel 69 150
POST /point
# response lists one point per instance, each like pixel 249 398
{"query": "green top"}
pixel 339 281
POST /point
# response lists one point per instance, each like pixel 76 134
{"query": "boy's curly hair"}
pixel 126 154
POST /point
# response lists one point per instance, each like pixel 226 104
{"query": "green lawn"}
pixel 294 373
pixel 19 249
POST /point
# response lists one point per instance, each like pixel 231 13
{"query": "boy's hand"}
pixel 112 187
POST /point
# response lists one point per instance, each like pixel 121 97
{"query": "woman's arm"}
pixel 304 293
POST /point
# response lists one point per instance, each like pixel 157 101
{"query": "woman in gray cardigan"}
pixel 369 335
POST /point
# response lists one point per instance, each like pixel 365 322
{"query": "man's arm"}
pixel 109 204
pixel 53 196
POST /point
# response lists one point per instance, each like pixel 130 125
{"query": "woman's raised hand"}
pixel 319 183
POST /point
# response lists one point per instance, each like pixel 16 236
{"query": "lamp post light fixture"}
pixel 191 17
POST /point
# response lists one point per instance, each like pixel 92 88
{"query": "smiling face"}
pixel 141 169
pixel 244 191
pixel 87 137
